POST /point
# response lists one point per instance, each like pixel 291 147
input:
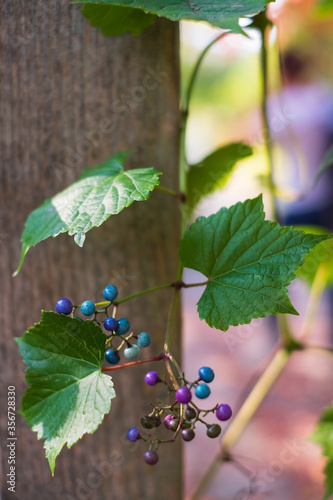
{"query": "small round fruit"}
pixel 190 413
pixel 87 308
pixel 186 425
pixel 77 317
pixel 147 422
pixel 206 374
pixel 144 339
pixel 157 421
pixel 133 434
pixel 132 352
pixel 183 395
pixel 64 306
pixel 202 391
pixel 150 457
pixel 173 424
pixel 223 412
pixel 188 434
pixel 167 420
pixel 110 324
pixel 112 357
pixel 151 378
pixel 213 431
pixel 110 293
pixel 123 326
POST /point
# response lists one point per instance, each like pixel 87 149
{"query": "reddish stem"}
pixel 132 363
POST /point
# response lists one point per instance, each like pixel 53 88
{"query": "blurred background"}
pixel 225 108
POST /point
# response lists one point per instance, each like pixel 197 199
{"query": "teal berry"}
pixel 206 374
pixel 144 339
pixel 202 391
pixel 132 352
pixel 123 326
pixel 110 293
pixel 87 308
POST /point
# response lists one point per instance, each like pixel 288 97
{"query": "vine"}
pixel 248 262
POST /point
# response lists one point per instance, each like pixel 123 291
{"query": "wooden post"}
pixel 69 99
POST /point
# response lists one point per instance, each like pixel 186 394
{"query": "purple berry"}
pixel 183 395
pixel 150 457
pixel 151 378
pixel 64 306
pixel 223 412
pixel 167 420
pixel 133 434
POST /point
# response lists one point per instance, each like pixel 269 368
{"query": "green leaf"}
pixel 320 257
pixel 117 21
pixel 326 163
pixel 221 14
pixel 323 435
pixel 248 262
pixel 213 172
pixel 100 192
pixel 325 8
pixel 68 394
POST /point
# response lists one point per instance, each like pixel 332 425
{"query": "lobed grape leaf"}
pixel 100 192
pixel 68 394
pixel 248 262
pixel 117 21
pixel 213 172
pixel 221 14
pixel 323 435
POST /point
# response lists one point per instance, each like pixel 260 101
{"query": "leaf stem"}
pixel 244 415
pixel 176 284
pixel 178 194
pixel 131 363
pixel 188 93
pixel 265 123
pixel 316 292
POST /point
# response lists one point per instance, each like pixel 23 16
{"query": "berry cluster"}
pixel 118 330
pixel 181 416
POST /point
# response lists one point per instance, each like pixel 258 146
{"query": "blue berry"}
pixel 80 319
pixel 206 374
pixel 223 412
pixel 87 308
pixel 110 324
pixel 123 326
pixel 112 357
pixel 202 391
pixel 110 293
pixel 64 306
pixel 144 339
pixel 150 457
pixel 132 352
pixel 183 395
pixel 133 434
pixel 151 378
